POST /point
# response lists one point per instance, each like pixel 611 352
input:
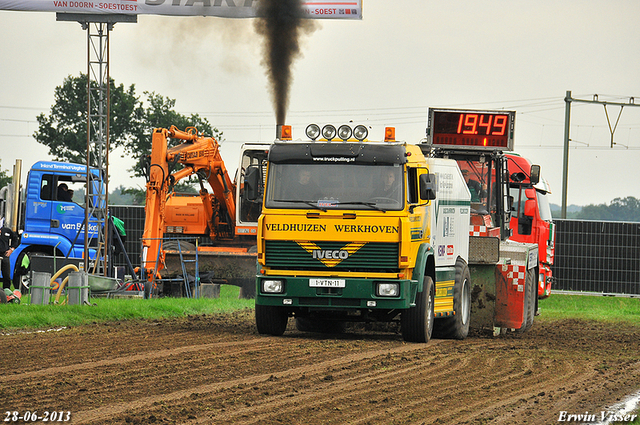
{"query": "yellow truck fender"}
pixel 425 263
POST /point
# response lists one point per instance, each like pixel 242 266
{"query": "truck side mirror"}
pixel 534 174
pixel 251 182
pixel 428 186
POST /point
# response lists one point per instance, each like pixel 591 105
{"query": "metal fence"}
pixel 133 217
pixel 597 256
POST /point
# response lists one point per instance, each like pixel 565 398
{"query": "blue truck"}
pixel 51 212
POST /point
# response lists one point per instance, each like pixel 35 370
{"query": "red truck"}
pixel 531 220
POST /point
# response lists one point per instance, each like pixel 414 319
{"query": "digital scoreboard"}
pixel 471 129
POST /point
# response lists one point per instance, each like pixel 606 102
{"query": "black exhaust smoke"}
pixel 281 23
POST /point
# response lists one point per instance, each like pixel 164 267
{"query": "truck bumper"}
pixel 357 293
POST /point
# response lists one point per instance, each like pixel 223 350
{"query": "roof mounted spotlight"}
pixel 328 132
pixel 312 131
pixel 344 132
pixel 360 132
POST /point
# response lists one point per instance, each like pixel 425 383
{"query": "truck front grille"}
pixel 373 256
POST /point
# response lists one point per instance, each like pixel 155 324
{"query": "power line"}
pixel 16 120
pixel 29 108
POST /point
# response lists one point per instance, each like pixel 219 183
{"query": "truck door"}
pixel 39 199
pixel 67 209
pixel 253 161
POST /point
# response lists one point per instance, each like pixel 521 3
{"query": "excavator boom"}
pixel 199 156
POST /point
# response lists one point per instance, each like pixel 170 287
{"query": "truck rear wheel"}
pixel 417 322
pixel 529 301
pixel 271 320
pixel 457 326
pixel 531 275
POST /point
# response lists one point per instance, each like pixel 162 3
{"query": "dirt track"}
pixel 218 370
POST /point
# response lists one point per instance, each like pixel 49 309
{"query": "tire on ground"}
pixel 529 288
pixel 3 297
pixel 417 322
pixel 531 275
pixel 271 320
pixel 457 326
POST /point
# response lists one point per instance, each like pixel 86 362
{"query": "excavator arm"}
pixel 200 156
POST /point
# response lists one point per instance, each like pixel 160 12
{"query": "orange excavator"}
pixel 220 218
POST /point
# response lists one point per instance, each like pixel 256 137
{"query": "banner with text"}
pixel 314 9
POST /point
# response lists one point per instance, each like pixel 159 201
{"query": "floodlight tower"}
pixel 98 102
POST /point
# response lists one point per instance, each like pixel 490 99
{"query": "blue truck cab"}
pixel 52 212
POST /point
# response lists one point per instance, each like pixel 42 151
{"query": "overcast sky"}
pixel 386 70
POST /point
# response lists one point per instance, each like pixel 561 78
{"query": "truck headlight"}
pixel 387 289
pixel 272 286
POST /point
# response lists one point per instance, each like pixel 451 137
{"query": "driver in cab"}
pixel 390 187
pixel 305 188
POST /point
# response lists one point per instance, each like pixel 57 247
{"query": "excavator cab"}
pixel 251 183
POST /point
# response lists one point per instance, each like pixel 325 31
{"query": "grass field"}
pixel 616 309
pixel 26 316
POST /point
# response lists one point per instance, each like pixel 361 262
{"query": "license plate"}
pixel 327 283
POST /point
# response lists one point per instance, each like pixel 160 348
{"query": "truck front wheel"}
pixel 271 320
pixel 417 322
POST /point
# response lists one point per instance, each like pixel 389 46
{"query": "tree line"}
pixel 132 119
pixel 619 209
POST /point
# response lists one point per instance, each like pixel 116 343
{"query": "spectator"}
pixel 118 226
pixel 9 241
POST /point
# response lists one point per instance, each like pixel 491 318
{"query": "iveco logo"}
pixel 337 254
pixel 331 257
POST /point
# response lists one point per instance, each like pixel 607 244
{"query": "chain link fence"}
pixel 597 256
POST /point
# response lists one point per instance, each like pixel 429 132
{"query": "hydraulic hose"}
pixel 64 282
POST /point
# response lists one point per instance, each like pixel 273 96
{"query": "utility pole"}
pixel 98 104
pixel 567 118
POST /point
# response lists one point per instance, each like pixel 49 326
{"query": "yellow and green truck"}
pixel 359 230
pixel 356 230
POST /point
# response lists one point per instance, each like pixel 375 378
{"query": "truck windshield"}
pixel 335 186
